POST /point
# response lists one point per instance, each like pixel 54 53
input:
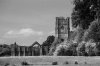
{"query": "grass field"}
pixel 48 60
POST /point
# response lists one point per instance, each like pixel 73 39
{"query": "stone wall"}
pixel 28 50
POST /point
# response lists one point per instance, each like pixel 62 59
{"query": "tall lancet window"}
pixel 62 29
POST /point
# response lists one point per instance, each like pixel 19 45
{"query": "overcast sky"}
pixel 26 21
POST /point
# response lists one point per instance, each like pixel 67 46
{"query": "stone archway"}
pixel 33 46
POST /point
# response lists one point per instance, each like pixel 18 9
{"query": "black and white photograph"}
pixel 49 32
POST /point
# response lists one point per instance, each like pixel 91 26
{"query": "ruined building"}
pixel 34 50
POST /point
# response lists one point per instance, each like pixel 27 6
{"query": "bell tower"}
pixel 62 29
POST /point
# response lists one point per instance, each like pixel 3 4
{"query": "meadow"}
pixel 48 61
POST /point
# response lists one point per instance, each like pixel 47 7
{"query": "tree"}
pixel 79 34
pixel 84 12
pixel 47 43
pixel 5 50
pixel 93 32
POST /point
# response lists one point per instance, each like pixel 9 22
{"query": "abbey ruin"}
pixel 62 34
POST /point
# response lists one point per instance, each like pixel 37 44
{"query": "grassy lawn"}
pixel 48 60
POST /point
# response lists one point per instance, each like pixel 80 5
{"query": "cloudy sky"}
pixel 26 21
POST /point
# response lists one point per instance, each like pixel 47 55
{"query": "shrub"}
pixel 62 50
pixel 7 64
pixel 91 48
pixel 76 62
pixel 72 48
pixel 66 49
pixel 66 62
pixel 85 62
pixel 24 63
pixel 81 49
pixel 97 49
pixel 55 63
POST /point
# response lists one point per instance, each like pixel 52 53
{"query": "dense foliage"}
pixel 5 50
pixel 68 49
pixel 93 32
pixel 84 12
pixel 47 43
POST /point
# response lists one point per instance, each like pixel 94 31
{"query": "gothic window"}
pixel 62 27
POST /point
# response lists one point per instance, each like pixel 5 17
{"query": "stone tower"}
pixel 62 29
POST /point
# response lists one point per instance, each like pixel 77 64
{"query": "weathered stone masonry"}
pixel 28 50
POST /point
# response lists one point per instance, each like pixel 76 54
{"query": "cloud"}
pixel 51 33
pixel 25 32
